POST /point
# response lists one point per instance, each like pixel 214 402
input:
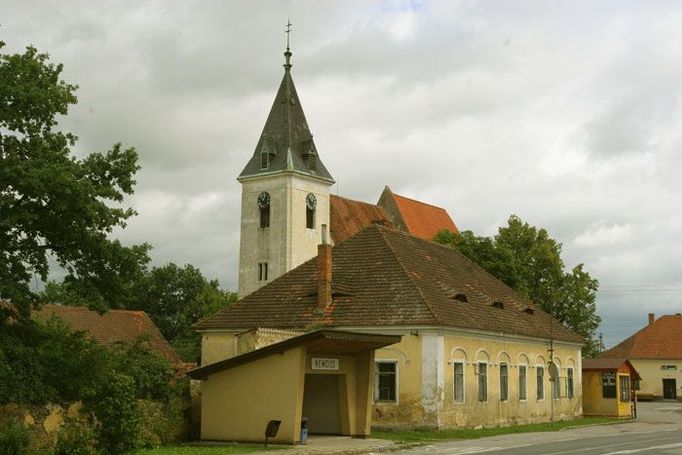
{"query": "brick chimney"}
pixel 652 318
pixel 324 272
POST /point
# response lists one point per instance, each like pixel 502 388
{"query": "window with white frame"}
pixel 458 388
pixel 504 381
pixel 522 382
pixel 569 382
pixel 386 380
pixel 482 381
pixel 541 382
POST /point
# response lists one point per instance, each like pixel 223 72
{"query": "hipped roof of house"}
pixel 112 327
pixel 384 277
pixel 662 339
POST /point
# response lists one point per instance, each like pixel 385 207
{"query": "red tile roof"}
pixel 114 326
pixel 384 277
pixel 347 217
pixel 661 339
pixel 423 220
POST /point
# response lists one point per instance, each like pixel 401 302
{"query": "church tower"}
pixel 285 194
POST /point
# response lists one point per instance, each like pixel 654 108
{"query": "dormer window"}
pixel 461 298
pixel 264 209
pixel 267 149
pixel 529 311
pixel 309 154
pixel 310 205
pixel 499 305
pixel 312 162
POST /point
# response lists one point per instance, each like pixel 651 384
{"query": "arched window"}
pixel 310 205
pixel 264 209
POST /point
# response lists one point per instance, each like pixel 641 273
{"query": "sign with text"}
pixel 319 363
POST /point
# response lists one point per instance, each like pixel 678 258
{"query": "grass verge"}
pixel 428 435
pixel 222 449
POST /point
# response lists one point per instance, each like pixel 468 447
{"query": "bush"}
pixel 76 438
pixel 115 407
pixel 14 438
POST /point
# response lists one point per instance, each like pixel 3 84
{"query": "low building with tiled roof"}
pixel 656 352
pixel 113 327
pixel 473 351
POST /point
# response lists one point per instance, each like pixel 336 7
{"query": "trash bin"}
pixel 304 431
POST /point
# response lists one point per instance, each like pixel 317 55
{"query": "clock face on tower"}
pixel 311 201
pixel 264 200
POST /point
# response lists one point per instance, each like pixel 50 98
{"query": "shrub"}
pixel 115 407
pixel 75 438
pixel 14 438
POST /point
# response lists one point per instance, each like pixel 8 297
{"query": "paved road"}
pixel 658 430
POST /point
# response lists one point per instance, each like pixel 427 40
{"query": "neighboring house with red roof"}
pixel 656 352
pixel 113 327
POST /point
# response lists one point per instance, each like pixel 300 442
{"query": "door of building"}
pixel 669 389
pixel 321 403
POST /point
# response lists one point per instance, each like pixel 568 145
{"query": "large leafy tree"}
pixel 528 260
pixel 177 297
pixel 56 208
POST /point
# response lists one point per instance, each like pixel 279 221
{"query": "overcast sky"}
pixel 565 113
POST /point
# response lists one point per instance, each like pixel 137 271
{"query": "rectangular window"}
pixel 624 388
pixel 265 217
pixel 309 218
pixel 608 384
pixel 482 381
pixel 262 271
pixel 385 381
pixel 556 387
pixel 459 382
pixel 504 382
pixel 264 160
pixel 541 382
pixel 522 382
pixel 569 382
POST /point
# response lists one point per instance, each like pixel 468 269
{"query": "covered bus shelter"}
pixel 325 376
pixel 609 388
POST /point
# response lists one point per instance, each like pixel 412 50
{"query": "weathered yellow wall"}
pixel 237 403
pixel 512 411
pixel 217 346
pixel 652 375
pixel 408 408
pixel 412 410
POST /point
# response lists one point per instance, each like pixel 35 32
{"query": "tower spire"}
pixel 287 53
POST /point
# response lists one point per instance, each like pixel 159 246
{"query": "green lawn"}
pixel 195 450
pixel 426 435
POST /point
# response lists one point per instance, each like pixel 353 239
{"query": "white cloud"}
pixel 567 114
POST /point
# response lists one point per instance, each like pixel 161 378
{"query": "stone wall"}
pixel 44 421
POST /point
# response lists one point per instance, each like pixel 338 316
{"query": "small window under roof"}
pixel 461 298
pixel 498 305
pixel 529 311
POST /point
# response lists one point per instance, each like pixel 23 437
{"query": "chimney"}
pixel 652 318
pixel 324 272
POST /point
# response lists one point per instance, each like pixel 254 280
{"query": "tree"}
pixel 54 206
pixel 176 298
pixel 528 260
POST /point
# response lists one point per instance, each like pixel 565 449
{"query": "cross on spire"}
pixel 287 53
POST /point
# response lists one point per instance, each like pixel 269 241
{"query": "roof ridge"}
pixel 418 201
pixel 84 308
pixel 402 268
pixel 353 200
